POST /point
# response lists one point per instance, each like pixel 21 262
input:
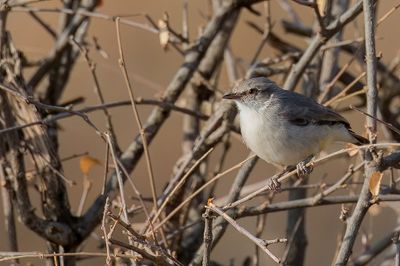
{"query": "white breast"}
pixel 269 138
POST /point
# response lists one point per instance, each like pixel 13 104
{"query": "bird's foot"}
pixel 304 170
pixel 274 184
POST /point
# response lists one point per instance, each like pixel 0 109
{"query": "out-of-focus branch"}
pixel 375 249
pixel 61 43
pixel 308 203
pixel 317 42
pixel 295 53
pixel 8 211
pixel 5 182
pixel 93 108
pixel 213 131
pixel 220 224
pixel 158 116
pixel 389 82
pixel 392 160
pixel 262 244
pixel 330 59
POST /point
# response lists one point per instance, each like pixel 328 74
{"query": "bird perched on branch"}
pixel 285 128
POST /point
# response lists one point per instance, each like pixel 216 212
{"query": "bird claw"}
pixel 303 170
pixel 274 185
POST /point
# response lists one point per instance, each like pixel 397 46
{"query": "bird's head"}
pixel 253 93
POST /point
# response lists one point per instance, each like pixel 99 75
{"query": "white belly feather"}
pixel 279 142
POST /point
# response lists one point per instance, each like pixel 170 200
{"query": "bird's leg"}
pixel 274 184
pixel 302 169
pixel 302 172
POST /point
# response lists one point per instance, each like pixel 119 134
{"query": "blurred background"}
pixel 151 68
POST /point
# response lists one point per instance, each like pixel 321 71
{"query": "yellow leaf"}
pixel 321 7
pixel 375 183
pixel 354 149
pixel 87 162
pixel 210 201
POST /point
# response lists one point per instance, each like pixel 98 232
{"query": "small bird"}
pixel 283 127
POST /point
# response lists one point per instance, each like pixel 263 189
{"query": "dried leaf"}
pixel 354 149
pixel 344 213
pixel 375 183
pixel 210 201
pixel 322 7
pixel 87 162
pixel 164 34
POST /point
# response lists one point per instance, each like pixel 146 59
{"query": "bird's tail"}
pixel 358 140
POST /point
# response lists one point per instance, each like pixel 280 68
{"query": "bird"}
pixel 286 128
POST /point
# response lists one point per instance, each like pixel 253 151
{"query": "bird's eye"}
pixel 300 122
pixel 253 90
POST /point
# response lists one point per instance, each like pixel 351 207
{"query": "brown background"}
pixel 150 69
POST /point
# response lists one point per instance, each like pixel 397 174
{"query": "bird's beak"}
pixel 231 96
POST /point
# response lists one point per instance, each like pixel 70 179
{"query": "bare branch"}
pixel 259 242
pixel 207 237
pixel 354 222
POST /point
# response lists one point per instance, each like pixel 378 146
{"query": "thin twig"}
pixel 107 155
pixel 259 242
pixel 330 85
pixel 6 256
pixel 286 176
pixel 344 91
pixel 42 106
pixel 86 13
pixel 136 114
pixel 309 203
pixel 220 224
pixel 180 183
pixel 377 119
pixel 119 177
pixel 92 68
pixel 143 241
pixel 195 193
pixel 86 185
pixel 104 229
pixel 339 183
pixel 62 115
pixel 317 42
pixel 140 197
pixel 122 65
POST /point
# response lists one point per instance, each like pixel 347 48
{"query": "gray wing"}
pixel 299 109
